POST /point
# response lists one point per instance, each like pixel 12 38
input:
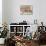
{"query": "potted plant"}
pixel 3 34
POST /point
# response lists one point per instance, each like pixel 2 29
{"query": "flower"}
pixel 4 32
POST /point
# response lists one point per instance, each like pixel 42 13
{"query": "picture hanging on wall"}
pixel 26 10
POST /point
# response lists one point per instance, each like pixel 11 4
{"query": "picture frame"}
pixel 26 9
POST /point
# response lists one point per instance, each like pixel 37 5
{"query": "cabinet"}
pixel 18 29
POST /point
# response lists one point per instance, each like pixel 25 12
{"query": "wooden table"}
pixel 24 42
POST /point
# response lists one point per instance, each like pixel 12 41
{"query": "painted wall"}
pixel 12 14
pixel 4 11
pixel 0 13
pixel 15 15
pixel 42 11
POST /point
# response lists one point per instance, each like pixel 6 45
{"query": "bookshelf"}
pixel 18 29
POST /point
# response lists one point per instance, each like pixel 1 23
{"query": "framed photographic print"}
pixel 26 10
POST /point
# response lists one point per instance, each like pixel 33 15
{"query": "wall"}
pixel 12 14
pixel 42 11
pixel 4 11
pixel 0 13
pixel 29 18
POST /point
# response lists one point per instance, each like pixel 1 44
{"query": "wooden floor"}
pixel 32 45
pixel 1 45
pixel 42 45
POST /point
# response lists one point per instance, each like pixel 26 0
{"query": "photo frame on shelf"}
pixel 26 9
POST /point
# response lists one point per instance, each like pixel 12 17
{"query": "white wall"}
pixel 0 13
pixel 4 11
pixel 42 11
pixel 16 13
pixel 12 13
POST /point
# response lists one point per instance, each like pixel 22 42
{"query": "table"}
pixel 26 42
pixel 23 42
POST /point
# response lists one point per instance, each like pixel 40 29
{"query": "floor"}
pixel 42 45
pixel 36 44
pixel 33 45
pixel 1 45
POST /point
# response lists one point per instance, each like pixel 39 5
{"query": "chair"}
pixel 9 42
